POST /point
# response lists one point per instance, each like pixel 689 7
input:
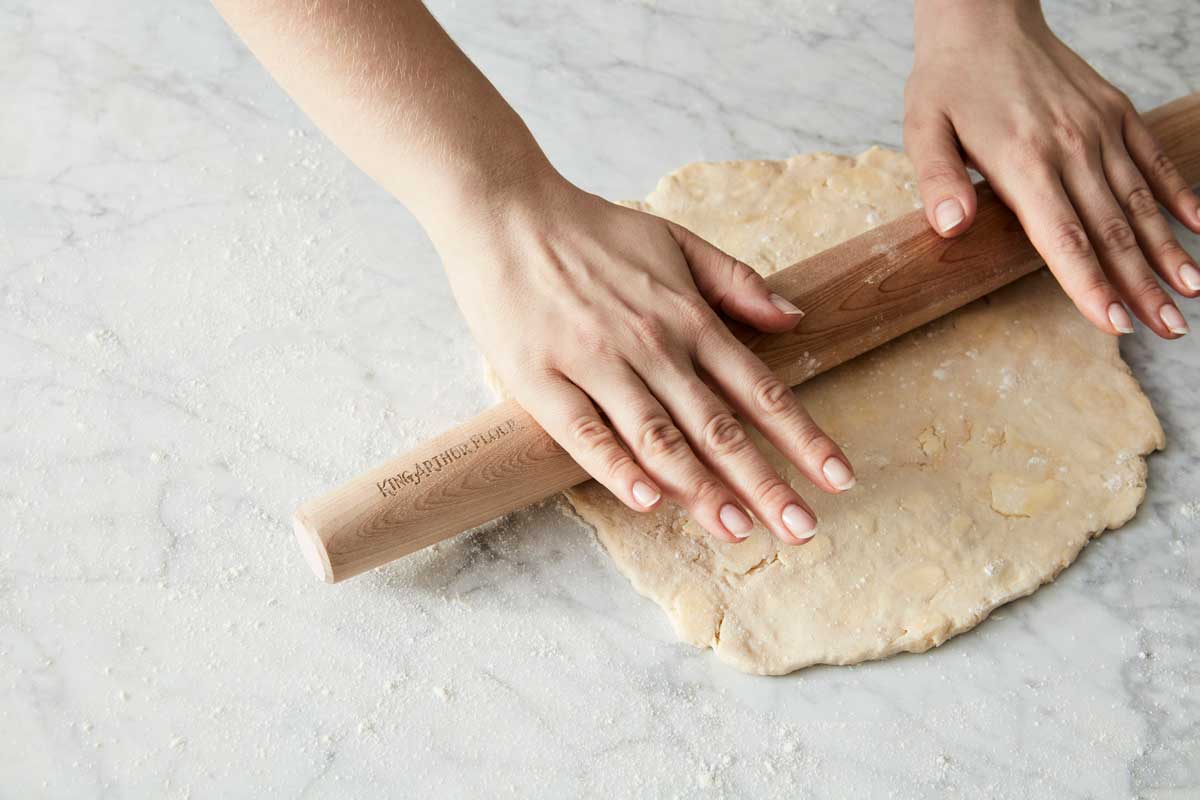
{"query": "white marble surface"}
pixel 206 315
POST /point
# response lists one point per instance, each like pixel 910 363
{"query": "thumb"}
pixel 734 288
pixel 942 179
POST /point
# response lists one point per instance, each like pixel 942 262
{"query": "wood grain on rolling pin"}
pixel 857 296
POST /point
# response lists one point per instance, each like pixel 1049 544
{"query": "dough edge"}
pixel 705 624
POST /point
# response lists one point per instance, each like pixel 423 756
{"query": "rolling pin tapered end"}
pixel 313 549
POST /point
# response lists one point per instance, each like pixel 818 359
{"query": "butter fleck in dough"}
pixel 989 446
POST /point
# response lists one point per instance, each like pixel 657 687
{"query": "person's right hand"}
pixel 602 321
pixel 992 87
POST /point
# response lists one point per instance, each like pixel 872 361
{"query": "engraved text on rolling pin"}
pixel 434 465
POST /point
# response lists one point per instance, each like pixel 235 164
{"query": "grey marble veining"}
pixel 207 314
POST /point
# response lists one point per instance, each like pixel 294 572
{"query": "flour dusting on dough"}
pixel 989 446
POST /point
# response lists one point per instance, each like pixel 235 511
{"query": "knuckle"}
pixel 590 432
pixel 695 312
pixel 1161 166
pixel 709 335
pixel 810 438
pixel 1117 97
pixel 1120 106
pixel 1110 96
pixel 590 343
pixel 705 490
pixel 743 276
pixel 617 463
pixel 1145 286
pixel 1130 119
pixel 769 489
pixel 658 437
pixel 773 396
pixel 1070 137
pixel 723 435
pixel 1028 152
pixel 1091 119
pixel 1069 238
pixel 939 172
pixel 652 333
pixel 1116 236
pixel 1140 203
pixel 1170 250
pixel 1095 286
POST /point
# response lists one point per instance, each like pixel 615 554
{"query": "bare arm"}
pixel 598 318
pixel 392 90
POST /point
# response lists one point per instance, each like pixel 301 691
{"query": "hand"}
pixel 993 88
pixel 601 320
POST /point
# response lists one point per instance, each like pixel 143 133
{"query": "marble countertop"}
pixel 207 315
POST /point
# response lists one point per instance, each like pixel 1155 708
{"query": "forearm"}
pixel 388 86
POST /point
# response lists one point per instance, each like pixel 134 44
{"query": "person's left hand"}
pixel 993 88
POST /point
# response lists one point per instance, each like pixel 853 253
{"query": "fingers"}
pixel 1161 248
pixel 1118 247
pixel 942 179
pixel 566 413
pixel 1040 202
pixel 664 451
pixel 726 448
pixel 759 396
pixel 1129 183
pixel 1165 181
pixel 733 287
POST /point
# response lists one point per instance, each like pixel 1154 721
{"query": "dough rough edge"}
pixel 991 446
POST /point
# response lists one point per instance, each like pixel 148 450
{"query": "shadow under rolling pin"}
pixel 856 295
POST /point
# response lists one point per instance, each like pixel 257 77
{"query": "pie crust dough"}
pixel 989 446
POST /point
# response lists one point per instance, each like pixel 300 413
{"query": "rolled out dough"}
pixel 990 446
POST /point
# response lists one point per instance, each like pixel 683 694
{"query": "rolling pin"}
pixel 856 295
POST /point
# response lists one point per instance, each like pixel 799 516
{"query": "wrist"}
pixel 493 203
pixel 941 23
pixel 478 190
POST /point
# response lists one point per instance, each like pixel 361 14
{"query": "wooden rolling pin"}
pixel 856 296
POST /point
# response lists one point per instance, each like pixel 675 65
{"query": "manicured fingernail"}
pixel 1190 277
pixel 645 494
pixel 1119 318
pixel 838 474
pixel 949 213
pixel 783 305
pixel 1174 321
pixel 799 522
pixel 735 521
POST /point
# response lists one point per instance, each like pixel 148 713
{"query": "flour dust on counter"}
pixel 989 445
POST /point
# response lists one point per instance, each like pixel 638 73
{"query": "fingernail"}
pixel 735 521
pixel 948 214
pixel 783 305
pixel 1119 318
pixel 838 474
pixel 645 494
pixel 1190 277
pixel 799 522
pixel 1174 321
